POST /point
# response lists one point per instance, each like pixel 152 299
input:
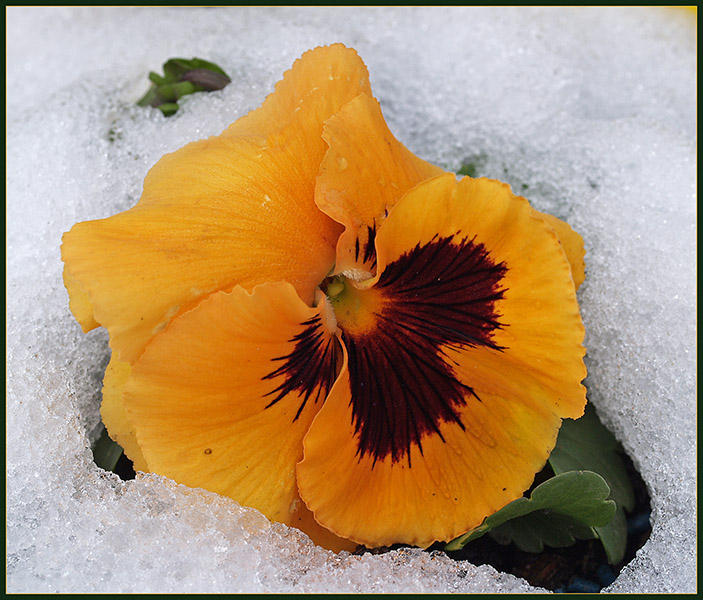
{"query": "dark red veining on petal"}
pixel 369 247
pixel 310 369
pixel 438 295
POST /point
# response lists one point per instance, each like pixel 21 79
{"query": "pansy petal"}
pixel 114 414
pixel 79 303
pixel 222 399
pixel 320 82
pixel 301 518
pixel 572 243
pixel 435 494
pixel 364 173
pixel 234 209
pixel 219 212
pixel 540 325
pixel 464 354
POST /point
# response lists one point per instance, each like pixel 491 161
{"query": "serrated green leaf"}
pixel 106 452
pixel 586 443
pixel 540 528
pixel 579 496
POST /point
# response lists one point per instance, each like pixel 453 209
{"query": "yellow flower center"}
pixel 356 310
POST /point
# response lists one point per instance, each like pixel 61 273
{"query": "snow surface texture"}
pixel 590 113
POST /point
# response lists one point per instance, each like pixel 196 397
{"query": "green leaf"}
pixel 173 91
pixel 471 167
pixel 156 78
pixel 151 98
pixel 199 63
pixel 468 169
pixel 182 77
pixel 175 67
pixel 206 79
pixel 541 528
pixel 613 536
pixel 568 505
pixel 587 444
pixel 106 452
pixel 168 108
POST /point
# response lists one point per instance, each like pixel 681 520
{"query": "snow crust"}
pixel 588 112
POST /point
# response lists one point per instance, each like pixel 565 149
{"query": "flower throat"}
pixel 396 334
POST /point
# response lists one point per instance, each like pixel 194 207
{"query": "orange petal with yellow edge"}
pixel 221 400
pixel 364 173
pixel 237 209
pixel 464 354
pixel 114 414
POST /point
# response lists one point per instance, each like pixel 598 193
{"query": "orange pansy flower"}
pixel 306 317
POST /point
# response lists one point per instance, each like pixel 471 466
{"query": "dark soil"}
pixel 124 468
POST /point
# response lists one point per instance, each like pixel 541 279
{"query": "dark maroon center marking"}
pixel 310 369
pixel 438 295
